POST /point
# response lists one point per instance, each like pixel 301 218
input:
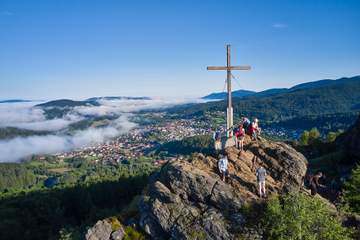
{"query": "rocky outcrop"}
pixel 103 230
pixel 187 199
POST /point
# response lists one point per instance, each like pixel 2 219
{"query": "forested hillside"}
pixel 335 101
pixel 339 97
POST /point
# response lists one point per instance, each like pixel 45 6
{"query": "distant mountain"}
pixel 68 103
pixel 14 101
pixel 274 91
pixel 328 104
pixel 111 98
pixel 63 103
pixel 270 92
pixel 223 95
pixel 319 83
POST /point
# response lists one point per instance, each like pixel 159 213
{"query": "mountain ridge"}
pixel 274 91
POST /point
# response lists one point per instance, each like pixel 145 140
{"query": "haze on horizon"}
pixel 82 49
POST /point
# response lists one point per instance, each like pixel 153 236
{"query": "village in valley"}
pixel 152 131
pixel 137 143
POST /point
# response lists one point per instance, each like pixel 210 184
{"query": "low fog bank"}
pixel 26 116
pixel 23 147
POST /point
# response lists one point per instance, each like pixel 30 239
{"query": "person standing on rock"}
pixel 217 141
pixel 223 167
pixel 254 129
pixel 261 177
pixel 240 135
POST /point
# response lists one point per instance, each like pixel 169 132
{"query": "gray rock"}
pixel 118 235
pixel 100 231
pixel 188 200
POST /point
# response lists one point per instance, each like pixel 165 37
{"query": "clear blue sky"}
pixel 75 49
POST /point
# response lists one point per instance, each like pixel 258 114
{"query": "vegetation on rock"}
pixel 301 217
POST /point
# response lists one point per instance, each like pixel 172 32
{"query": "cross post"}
pixel 229 110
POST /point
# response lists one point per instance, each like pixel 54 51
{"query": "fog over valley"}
pixel 56 128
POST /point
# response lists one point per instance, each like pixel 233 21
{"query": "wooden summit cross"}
pixel 228 68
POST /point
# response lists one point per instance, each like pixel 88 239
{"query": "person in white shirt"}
pixel 261 177
pixel 223 167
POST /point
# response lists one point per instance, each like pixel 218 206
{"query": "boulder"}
pixel 188 200
pixel 103 230
pixel 100 231
pixel 118 235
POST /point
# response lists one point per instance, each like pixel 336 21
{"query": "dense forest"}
pixel 44 199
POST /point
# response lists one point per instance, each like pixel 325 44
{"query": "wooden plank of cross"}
pixel 228 68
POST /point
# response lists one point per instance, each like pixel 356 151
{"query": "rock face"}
pixel 187 199
pixel 102 230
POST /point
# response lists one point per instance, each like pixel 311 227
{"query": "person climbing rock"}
pixel 314 183
pixel 240 135
pixel 261 177
pixel 223 167
pixel 255 130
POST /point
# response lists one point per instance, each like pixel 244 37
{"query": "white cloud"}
pixel 25 116
pixel 22 147
pixel 129 106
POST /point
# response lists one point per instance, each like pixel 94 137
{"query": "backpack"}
pixel 217 136
pixel 236 130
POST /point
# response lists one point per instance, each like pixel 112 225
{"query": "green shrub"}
pixel 352 191
pixel 331 136
pixel 115 224
pixel 304 138
pixel 133 234
pixel 314 134
pixel 300 217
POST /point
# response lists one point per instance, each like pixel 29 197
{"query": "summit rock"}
pixel 188 200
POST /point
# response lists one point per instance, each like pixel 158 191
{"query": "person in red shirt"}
pixel 240 136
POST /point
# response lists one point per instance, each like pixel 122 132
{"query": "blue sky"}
pixel 76 49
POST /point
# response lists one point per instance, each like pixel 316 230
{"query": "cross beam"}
pixel 228 68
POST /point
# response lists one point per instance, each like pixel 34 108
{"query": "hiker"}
pixel 246 123
pixel 260 177
pixel 254 129
pixel 217 141
pixel 223 167
pixel 240 136
pixel 314 183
